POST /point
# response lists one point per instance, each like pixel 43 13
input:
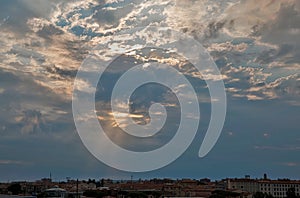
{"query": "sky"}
pixel 254 43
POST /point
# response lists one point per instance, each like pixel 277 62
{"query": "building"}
pixel 244 184
pixel 276 188
pixel 279 188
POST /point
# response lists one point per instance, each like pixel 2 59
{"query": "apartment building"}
pixel 277 188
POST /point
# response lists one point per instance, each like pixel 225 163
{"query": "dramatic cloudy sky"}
pixel 255 44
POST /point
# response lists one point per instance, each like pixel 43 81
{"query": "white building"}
pixel 277 188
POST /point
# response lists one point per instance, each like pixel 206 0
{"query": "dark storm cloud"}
pixel 77 49
pixel 19 11
pixel 285 28
pixel 272 22
pixel 284 32
pixel 287 53
pixel 62 72
pixel 213 28
pixel 26 55
pixel 32 122
pixel 48 31
pixel 29 108
pixel 18 15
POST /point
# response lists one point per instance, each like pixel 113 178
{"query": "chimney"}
pixel 265 176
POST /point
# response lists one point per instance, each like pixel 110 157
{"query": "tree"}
pixel 269 196
pixel 262 195
pixel 137 195
pixel 223 194
pixel 290 193
pixel 258 195
pixel 15 189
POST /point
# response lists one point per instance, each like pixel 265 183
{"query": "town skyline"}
pixel 132 177
pixel 246 187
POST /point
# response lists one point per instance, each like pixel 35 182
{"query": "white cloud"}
pixel 290 164
pixel 13 162
pixel 278 148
